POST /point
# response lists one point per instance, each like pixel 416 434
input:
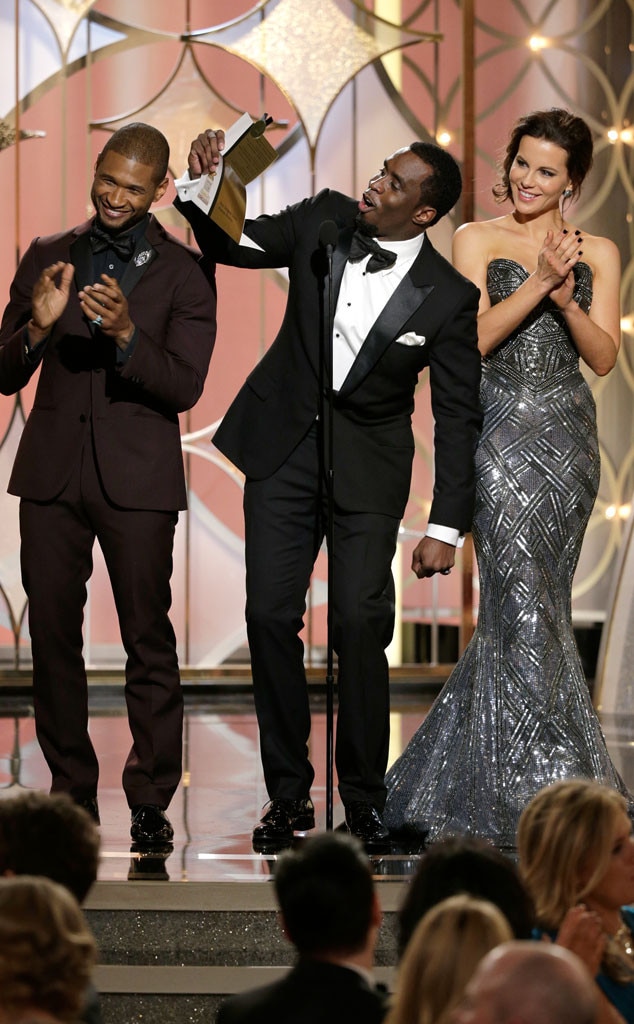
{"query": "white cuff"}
pixel 447 534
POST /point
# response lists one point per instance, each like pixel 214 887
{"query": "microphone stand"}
pixel 328 239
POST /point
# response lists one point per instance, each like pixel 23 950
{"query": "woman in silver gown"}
pixel 515 713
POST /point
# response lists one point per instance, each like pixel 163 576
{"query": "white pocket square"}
pixel 411 339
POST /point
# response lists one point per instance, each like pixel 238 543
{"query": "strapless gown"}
pixel 516 714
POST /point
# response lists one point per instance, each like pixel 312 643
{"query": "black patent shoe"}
pixel 150 826
pixel 283 818
pixel 364 821
pixel 91 806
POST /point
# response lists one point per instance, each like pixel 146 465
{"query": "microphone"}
pixel 328 236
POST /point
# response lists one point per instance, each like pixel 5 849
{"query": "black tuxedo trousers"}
pixel 285 520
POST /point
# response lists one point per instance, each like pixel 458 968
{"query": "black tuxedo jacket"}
pixel 374 444
pixel 311 993
pixel 133 406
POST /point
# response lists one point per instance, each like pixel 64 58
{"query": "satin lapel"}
pixel 81 258
pixel 404 302
pixel 143 256
pixel 339 257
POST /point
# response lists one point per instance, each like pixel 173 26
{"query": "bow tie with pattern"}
pixel 380 258
pixel 101 240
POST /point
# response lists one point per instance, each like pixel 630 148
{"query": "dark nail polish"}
pixel 577 231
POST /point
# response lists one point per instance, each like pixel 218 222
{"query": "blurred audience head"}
pixel 326 896
pixel 441 956
pixel 48 834
pixel 529 983
pixel 567 838
pixel 465 865
pixel 46 951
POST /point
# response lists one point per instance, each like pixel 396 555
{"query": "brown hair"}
pixel 46 949
pixel 566 130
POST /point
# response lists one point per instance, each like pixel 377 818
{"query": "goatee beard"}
pixel 362 226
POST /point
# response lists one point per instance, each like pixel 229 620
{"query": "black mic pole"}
pixel 328 234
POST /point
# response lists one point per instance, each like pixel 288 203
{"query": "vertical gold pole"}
pixel 468 170
pixel 16 207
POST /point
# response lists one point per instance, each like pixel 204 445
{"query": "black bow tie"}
pixel 101 240
pixel 380 258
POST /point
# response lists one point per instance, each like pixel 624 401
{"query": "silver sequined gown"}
pixel 515 714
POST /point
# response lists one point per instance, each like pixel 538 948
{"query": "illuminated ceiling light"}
pixel 613 134
pixel 610 512
pixel 624 511
pixel 537 43
pixel 627 135
pixel 627 323
pixel 444 138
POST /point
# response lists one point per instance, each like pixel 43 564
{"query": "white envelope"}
pixel 411 339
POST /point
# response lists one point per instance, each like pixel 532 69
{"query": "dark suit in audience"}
pixel 330 913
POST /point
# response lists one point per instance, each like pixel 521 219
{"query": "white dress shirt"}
pixel 361 301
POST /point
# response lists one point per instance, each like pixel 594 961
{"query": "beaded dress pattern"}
pixel 516 714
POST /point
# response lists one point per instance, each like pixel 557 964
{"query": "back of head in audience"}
pixel 529 983
pixel 468 865
pixel 441 956
pixel 326 897
pixel 46 951
pixel 49 834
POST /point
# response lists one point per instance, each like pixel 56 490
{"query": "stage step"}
pixel 171 951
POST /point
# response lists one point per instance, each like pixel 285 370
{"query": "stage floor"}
pixel 222 793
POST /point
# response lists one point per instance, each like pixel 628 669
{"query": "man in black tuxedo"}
pixel 118 318
pixel 390 322
pixel 330 912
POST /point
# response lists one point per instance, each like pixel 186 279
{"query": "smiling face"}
pixel 392 206
pixel 538 176
pixel 616 887
pixel 123 191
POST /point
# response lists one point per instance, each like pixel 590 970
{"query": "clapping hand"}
pixel 559 254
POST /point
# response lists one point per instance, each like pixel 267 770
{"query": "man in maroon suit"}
pixel 120 317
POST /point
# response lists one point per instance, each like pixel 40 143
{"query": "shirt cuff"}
pixel 447 534
pixel 32 353
pixel 124 354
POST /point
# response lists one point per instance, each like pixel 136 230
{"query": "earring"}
pixel 567 193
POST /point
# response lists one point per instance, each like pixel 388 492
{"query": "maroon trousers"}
pixel 57 540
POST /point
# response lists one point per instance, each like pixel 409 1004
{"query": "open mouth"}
pixel 366 203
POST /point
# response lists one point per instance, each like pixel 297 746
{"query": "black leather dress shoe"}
pixel 150 825
pixel 282 819
pixel 364 822
pixel 92 807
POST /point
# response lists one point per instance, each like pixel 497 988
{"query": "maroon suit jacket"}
pixel 133 406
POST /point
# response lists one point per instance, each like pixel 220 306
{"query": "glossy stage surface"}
pixel 222 793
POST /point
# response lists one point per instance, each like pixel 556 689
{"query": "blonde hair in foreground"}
pixel 566 830
pixel 46 949
pixel 442 955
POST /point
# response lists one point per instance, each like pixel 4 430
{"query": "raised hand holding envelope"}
pixel 221 194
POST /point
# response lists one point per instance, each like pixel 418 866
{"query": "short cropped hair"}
pixel 143 143
pixel 48 834
pixel 46 949
pixel 326 895
pixel 443 187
